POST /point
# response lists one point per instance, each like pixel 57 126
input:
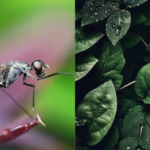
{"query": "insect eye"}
pixel 37 66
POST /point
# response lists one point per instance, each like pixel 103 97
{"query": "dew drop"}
pixel 128 147
pixel 130 6
pixel 96 20
pixel 117 32
pixel 95 13
pixel 113 25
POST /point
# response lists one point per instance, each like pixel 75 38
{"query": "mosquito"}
pixel 11 70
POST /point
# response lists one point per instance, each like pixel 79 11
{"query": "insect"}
pixel 11 70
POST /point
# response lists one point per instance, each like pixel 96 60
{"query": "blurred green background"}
pixel 21 23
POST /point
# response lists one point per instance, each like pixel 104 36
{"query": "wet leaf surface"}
pixel 96 10
pixel 133 3
pixel 117 25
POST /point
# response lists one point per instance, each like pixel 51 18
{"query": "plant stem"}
pixel 143 41
pixel 123 87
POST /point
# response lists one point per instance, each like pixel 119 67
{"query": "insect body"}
pixel 11 70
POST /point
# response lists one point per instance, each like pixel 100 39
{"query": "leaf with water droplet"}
pixel 83 65
pixel 128 144
pixel 137 123
pixel 108 66
pixel 98 108
pixel 133 3
pixel 96 10
pixel 117 25
pixel 142 83
pixel 84 38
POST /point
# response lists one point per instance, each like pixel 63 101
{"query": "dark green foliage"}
pixel 106 59
pixel 98 110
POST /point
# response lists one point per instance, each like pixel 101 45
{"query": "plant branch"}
pixel 143 41
pixel 123 87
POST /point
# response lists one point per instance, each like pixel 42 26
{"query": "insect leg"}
pixel 21 107
pixel 33 101
pixel 57 73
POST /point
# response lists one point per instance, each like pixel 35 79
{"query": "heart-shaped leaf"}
pixel 117 25
pixel 84 39
pixel 142 83
pixel 98 110
pixel 111 62
pixel 83 65
pixel 133 3
pixel 96 10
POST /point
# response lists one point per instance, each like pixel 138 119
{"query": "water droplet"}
pixel 96 20
pixel 130 6
pixel 113 25
pixel 128 147
pixel 102 5
pixel 95 13
pixel 117 32
pixel 105 12
pixel 109 9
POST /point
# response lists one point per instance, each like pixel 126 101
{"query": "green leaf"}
pixel 96 10
pixel 125 105
pixel 137 123
pixel 98 109
pixel 117 25
pixel 84 65
pixel 130 40
pixel 128 144
pixel 111 139
pixel 133 3
pixel 137 18
pixel 148 48
pixel 142 83
pixel 85 39
pixel 133 143
pixel 146 23
pixel 111 63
